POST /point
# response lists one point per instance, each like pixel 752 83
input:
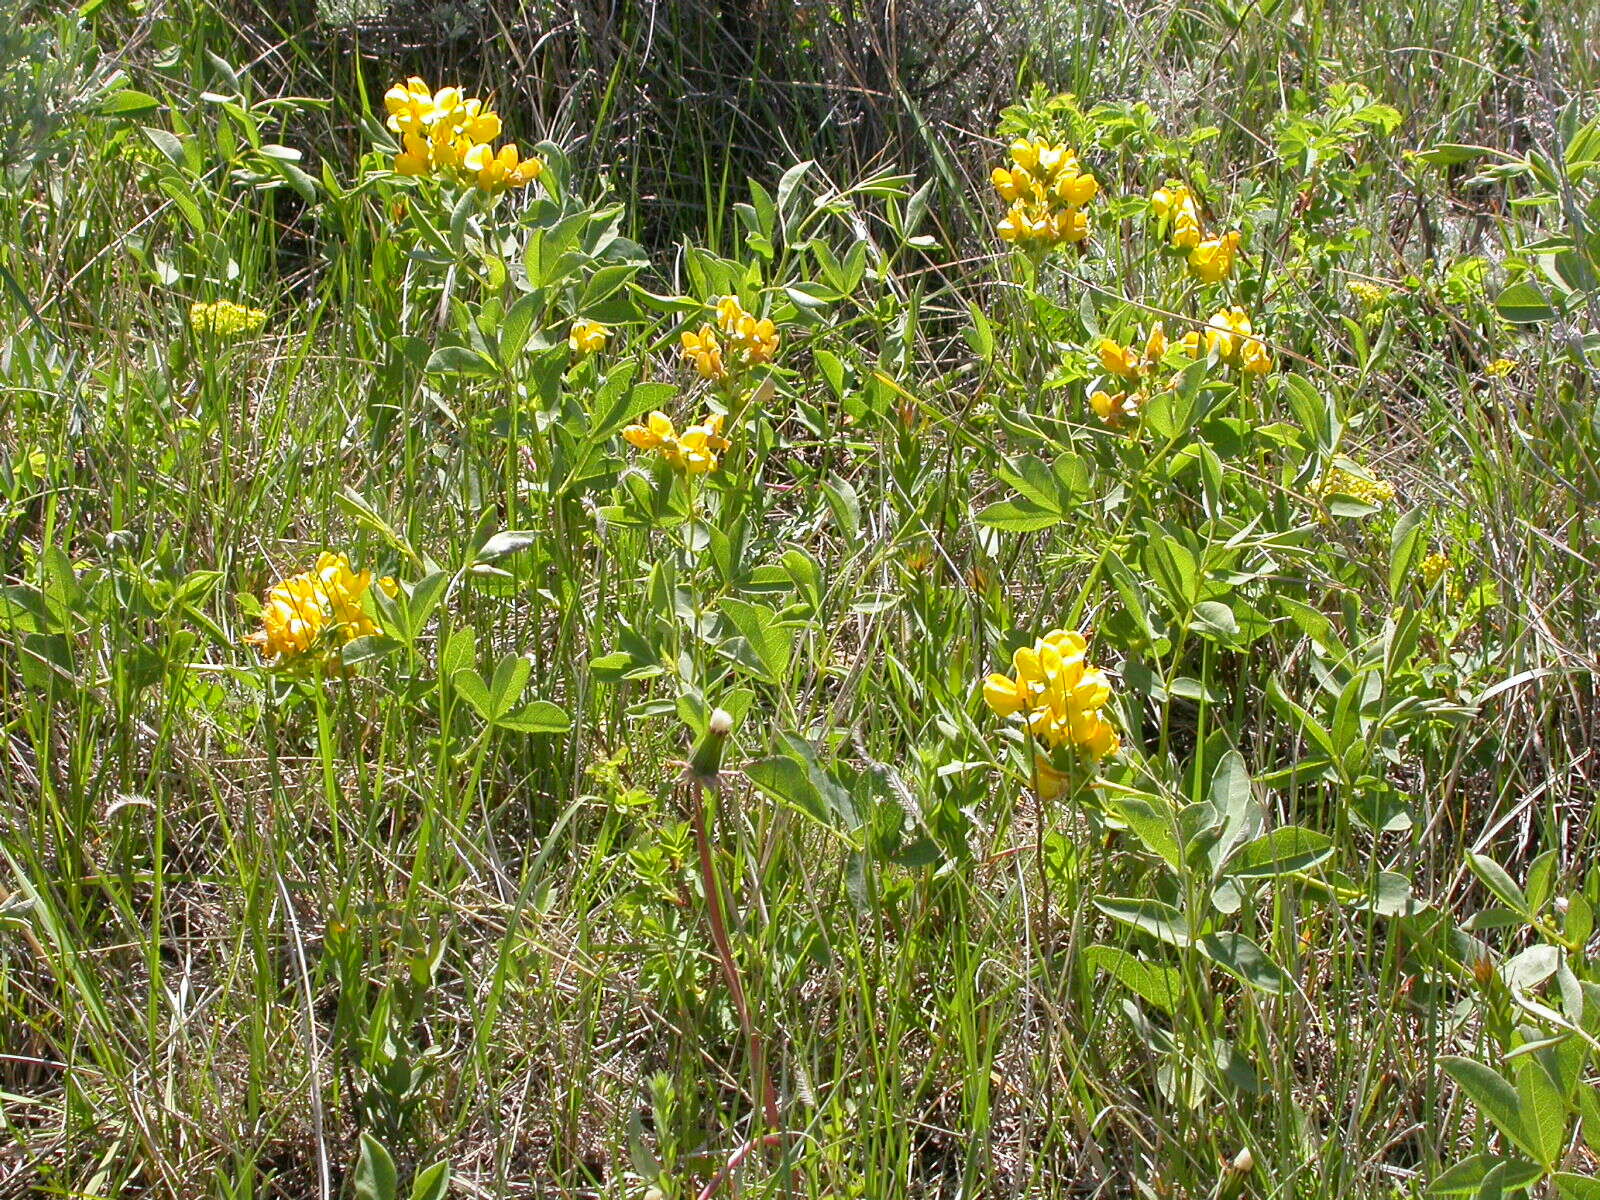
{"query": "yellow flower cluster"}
pixel 694 451
pixel 1124 362
pixel 1057 693
pixel 1376 492
pixel 1370 294
pixel 1231 338
pixel 225 319
pixel 1433 567
pixel 751 340
pixel 1500 368
pixel 1210 258
pixel 587 337
pixel 755 340
pixel 317 608
pixel 1046 191
pixel 450 134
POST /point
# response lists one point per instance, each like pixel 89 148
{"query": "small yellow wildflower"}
pixel 705 352
pixel 320 607
pixel 587 336
pixel 1211 261
pixel 1433 567
pixel 1344 482
pixel 1500 368
pixel 1370 294
pixel 1058 695
pixel 226 320
pixel 694 451
pixel 1230 336
pixel 1176 205
pixel 450 134
pixel 495 171
pixel 1045 190
pixel 1117 359
pixel 1116 410
pixel 756 339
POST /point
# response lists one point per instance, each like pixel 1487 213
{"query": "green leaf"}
pixel 1241 957
pixel 510 681
pixel 432 1183
pixel 459 653
pixel 1544 1111
pixel 770 642
pixel 537 716
pixel 1018 516
pixel 504 543
pixel 1577 1187
pixel 1405 547
pixel 1151 819
pixel 375 1176
pixel 461 360
pixel 1524 303
pixel 1160 921
pixel 1154 983
pixel 129 103
pixel 1467 1176
pixel 1493 876
pixel 1284 851
pixel 471 688
pixel 1494 1097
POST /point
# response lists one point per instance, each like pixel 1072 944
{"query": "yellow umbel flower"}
pixel 1433 567
pixel 1057 694
pixel 1211 261
pixel 225 320
pixel 320 608
pixel 587 336
pixel 1376 492
pixel 1500 368
pixel 705 352
pixel 694 451
pixel 1370 294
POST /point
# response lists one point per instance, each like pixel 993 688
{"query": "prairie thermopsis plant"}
pixel 1210 258
pixel 318 609
pixel 1047 192
pixel 1059 696
pixel 451 136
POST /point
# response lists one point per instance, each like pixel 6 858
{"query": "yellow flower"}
pixel 705 352
pixel 479 124
pixel 1376 492
pixel 416 158
pixel 1116 358
pixel 1229 336
pixel 496 171
pixel 1211 261
pixel 1500 368
pixel 729 313
pixel 1116 410
pixel 1071 225
pixel 1155 346
pixel 320 607
pixel 656 430
pixel 1058 695
pixel 1025 153
pixel 757 338
pixel 1176 205
pixel 1433 567
pixel 587 336
pixel 226 320
pixel 1370 294
pixel 410 104
pixel 694 451
pixel 1075 187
